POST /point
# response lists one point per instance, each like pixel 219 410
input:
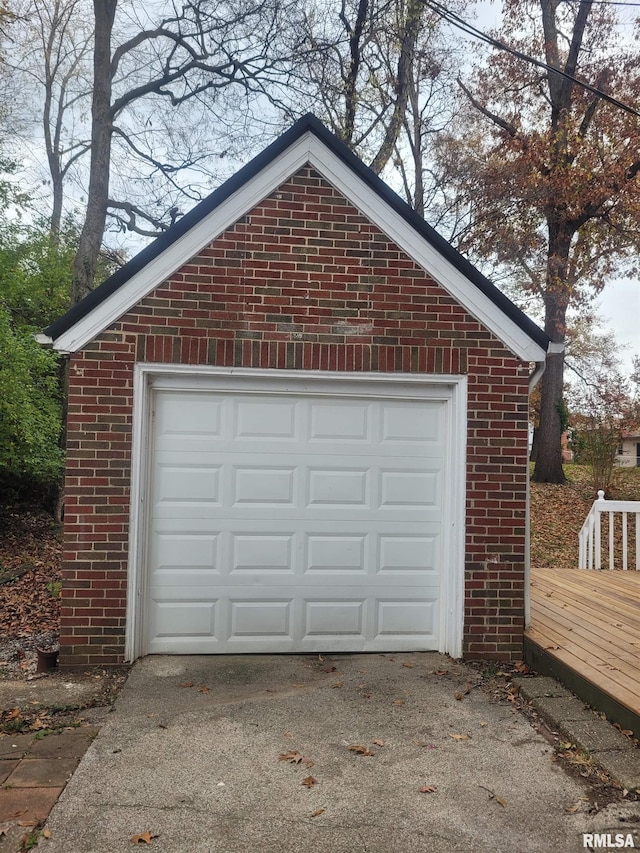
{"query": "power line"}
pixel 456 21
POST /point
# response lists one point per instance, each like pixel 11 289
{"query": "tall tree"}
pixel 548 170
pixel 377 74
pixel 194 53
pixel 50 51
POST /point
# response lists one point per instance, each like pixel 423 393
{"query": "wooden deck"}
pixel 585 630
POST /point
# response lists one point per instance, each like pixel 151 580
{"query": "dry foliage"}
pixel 30 572
pixel 558 513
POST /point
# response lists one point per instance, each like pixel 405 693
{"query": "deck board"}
pixel 589 621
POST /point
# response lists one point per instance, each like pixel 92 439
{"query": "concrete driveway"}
pixel 193 754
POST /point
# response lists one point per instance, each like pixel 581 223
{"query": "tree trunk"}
pixel 86 260
pixel 548 445
pixel 404 79
pixel 55 222
pixel 548 466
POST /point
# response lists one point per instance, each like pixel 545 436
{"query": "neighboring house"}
pixel 297 423
pixel 628 455
pixel 565 442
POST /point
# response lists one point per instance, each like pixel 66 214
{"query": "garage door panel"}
pixel 399 554
pixel 185 618
pixel 349 422
pixel 270 420
pixel 263 485
pixel 409 489
pixel 338 487
pixel 408 424
pixel 262 553
pixel 331 553
pixel 399 617
pixel 188 551
pixel 299 524
pixel 205 417
pixel 260 618
pixel 184 483
pixel 335 618
pixel 225 552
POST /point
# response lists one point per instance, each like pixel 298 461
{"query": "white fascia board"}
pixel 307 149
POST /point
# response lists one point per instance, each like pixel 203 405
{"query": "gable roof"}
pixel 307 142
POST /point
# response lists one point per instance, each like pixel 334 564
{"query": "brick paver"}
pixel 6 768
pixel 42 772
pixel 28 806
pixel 34 771
pixel 66 745
pixel 14 746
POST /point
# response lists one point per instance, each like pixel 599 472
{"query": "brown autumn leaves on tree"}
pixel 548 171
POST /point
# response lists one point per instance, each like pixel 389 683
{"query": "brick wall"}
pixel 302 282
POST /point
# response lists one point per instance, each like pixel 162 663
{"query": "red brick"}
pixel 288 287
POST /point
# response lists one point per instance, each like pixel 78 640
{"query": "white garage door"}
pixel 294 522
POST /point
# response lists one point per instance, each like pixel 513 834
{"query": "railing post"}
pixel 598 525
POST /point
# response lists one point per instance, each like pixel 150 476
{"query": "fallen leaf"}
pixel 409 664
pixel 551 648
pixel 360 750
pixel 361 686
pixel 484 723
pixel 398 702
pixel 308 763
pixel 501 802
pixel 309 782
pixel 203 689
pixel 338 684
pixel 293 757
pixel 573 809
pixel 317 812
pixel 186 684
pixel 458 696
pixel 329 668
pixel 143 838
pixel 378 742
pixel 46 833
pixel 460 737
pixel 428 789
pixel 441 672
pixel 27 822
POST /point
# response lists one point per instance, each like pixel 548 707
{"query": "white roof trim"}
pixel 307 149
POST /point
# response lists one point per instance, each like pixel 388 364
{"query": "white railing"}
pixel 621 541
